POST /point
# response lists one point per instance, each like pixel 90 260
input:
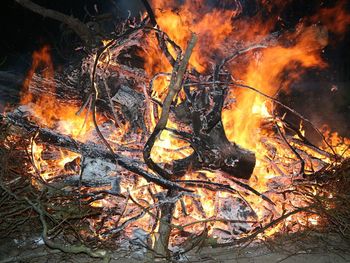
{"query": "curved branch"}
pixel 73 23
pixel 174 88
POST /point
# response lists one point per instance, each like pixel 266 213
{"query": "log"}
pixel 85 149
pixel 202 110
pixel 213 151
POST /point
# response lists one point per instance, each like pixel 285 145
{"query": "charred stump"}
pixel 214 151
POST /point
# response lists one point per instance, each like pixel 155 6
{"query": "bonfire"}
pixel 169 135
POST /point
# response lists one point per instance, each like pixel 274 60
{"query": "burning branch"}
pixel 174 88
pixel 86 35
pixel 162 37
pixel 87 150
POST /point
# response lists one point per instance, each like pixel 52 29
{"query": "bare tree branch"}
pixel 73 23
pixel 175 86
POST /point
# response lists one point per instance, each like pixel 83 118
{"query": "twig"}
pixel 94 89
pixel 74 249
pixel 290 109
pixel 302 162
pixel 233 56
pixel 264 228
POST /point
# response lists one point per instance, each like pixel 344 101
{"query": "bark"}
pixel 213 151
pixel 174 88
pixel 163 235
pixel 132 106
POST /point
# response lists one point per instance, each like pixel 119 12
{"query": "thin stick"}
pixel 302 162
pixel 174 87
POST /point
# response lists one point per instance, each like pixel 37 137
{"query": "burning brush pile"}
pixel 169 135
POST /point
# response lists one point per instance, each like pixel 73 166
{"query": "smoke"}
pixel 322 102
pixel 127 7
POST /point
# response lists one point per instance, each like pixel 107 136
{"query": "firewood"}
pixel 85 149
pixel 214 151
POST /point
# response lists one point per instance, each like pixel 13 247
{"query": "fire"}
pixel 265 70
pixel 45 106
pixel 49 112
pixel 220 32
pixel 41 58
pixel 167 148
pixel 340 144
pixel 265 74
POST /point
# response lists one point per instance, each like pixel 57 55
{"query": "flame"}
pixel 340 144
pixel 49 112
pixel 265 75
pixel 45 106
pixel 269 70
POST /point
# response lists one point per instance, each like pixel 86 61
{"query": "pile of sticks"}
pixel 199 112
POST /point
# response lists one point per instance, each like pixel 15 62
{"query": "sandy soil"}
pixel 308 248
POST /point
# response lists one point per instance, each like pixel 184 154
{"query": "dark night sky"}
pixel 22 32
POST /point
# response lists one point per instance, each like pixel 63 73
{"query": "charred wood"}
pixel 86 149
pixel 214 151
pixel 163 235
pixel 132 106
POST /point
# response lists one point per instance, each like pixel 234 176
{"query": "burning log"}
pixel 214 151
pixel 89 150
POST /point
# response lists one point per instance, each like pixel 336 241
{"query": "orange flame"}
pixel 264 74
pixel 45 105
pixel 49 112
pixel 266 70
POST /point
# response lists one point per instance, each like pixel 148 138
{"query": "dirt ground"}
pixel 306 247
